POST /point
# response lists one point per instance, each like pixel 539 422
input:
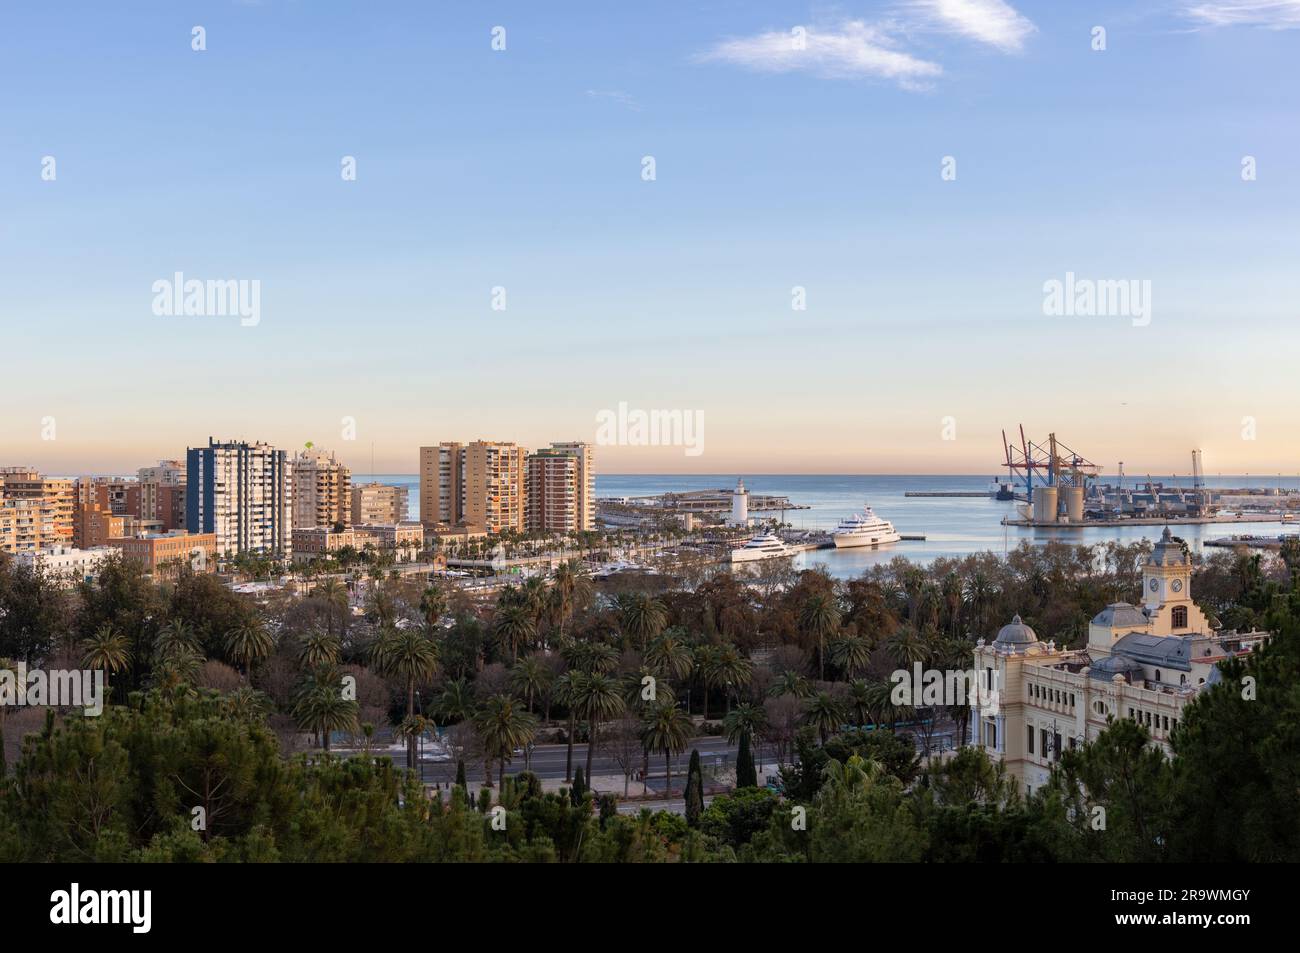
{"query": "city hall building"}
pixel 1142 662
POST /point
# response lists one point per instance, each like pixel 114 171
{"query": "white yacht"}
pixel 864 529
pixel 765 546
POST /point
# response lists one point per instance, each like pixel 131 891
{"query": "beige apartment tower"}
pixel 379 503
pixel 560 489
pixel 322 490
pixel 48 507
pixel 478 484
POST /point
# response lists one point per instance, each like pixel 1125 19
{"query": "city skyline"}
pixel 775 169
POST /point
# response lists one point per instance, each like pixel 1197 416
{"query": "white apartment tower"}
pixel 243 494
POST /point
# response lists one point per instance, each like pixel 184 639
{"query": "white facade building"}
pixel 1143 662
pixel 69 565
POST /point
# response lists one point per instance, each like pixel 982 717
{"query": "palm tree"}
pixel 789 683
pixel 598 699
pixel 248 643
pixel 245 703
pixel 820 618
pixel 823 712
pixel 514 626
pixel 851 654
pixel 906 647
pixel 529 678
pixel 730 669
pixel 107 649
pixel 181 666
pixel 504 726
pixel 433 603
pixel 571 586
pixel 748 721
pixel 318 648
pixel 642 617
pixel 568 689
pixel 335 596
pixel 670 657
pixel 860 699
pixel 410 655
pixel 666 730
pixel 321 708
pixel 173 636
pixel 456 702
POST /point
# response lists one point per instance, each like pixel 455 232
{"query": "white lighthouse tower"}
pixel 739 505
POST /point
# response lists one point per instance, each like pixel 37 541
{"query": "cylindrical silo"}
pixel 1073 503
pixel 1045 503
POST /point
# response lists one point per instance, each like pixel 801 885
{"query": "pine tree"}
pixel 460 774
pixel 579 786
pixel 746 775
pixel 694 791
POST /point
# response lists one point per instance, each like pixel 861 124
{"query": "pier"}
pixel 948 493
pixel 1150 521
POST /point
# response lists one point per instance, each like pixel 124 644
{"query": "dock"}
pixel 1150 521
pixel 946 493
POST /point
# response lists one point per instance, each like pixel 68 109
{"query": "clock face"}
pixel 1178 585
pixel 1155 584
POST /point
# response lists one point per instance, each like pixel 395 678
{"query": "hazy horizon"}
pixel 839 264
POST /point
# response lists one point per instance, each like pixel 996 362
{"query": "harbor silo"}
pixel 1045 503
pixel 1073 503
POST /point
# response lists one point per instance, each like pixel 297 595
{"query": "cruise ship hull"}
pixel 740 556
pixel 854 540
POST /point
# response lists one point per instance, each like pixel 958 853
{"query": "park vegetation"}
pixel 222 736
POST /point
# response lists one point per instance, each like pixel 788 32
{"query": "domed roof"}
pixel 1107 668
pixel 1119 615
pixel 1017 633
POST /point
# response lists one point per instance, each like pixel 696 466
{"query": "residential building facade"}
pixel 560 489
pixel 479 483
pixel 322 490
pixel 379 503
pixel 242 493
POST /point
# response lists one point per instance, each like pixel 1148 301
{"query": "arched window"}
pixel 1180 617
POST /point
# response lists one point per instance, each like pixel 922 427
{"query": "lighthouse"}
pixel 739 505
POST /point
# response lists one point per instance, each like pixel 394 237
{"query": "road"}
pixel 548 761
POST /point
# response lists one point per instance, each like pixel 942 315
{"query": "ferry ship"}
pixel 864 529
pixel 765 546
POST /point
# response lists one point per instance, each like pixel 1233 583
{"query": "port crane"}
pixel 1053 464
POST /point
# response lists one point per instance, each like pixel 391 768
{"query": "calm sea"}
pixel 951 526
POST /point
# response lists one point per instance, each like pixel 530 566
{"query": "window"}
pixel 1029 729
pixel 1157 675
pixel 1180 617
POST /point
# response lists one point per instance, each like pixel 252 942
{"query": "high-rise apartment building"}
pixel 55 521
pixel 243 494
pixel 560 489
pixel 479 484
pixel 162 493
pixel 322 490
pixel 379 503
pixel 27 525
pixel 440 488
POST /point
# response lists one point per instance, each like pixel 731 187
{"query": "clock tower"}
pixel 1166 577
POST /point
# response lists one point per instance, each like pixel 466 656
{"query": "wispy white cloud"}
pixel 852 49
pixel 1271 14
pixel 994 22
pixel 615 96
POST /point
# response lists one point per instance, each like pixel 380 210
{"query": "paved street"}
pixel 548 763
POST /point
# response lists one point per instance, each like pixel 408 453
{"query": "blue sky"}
pixel 522 169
